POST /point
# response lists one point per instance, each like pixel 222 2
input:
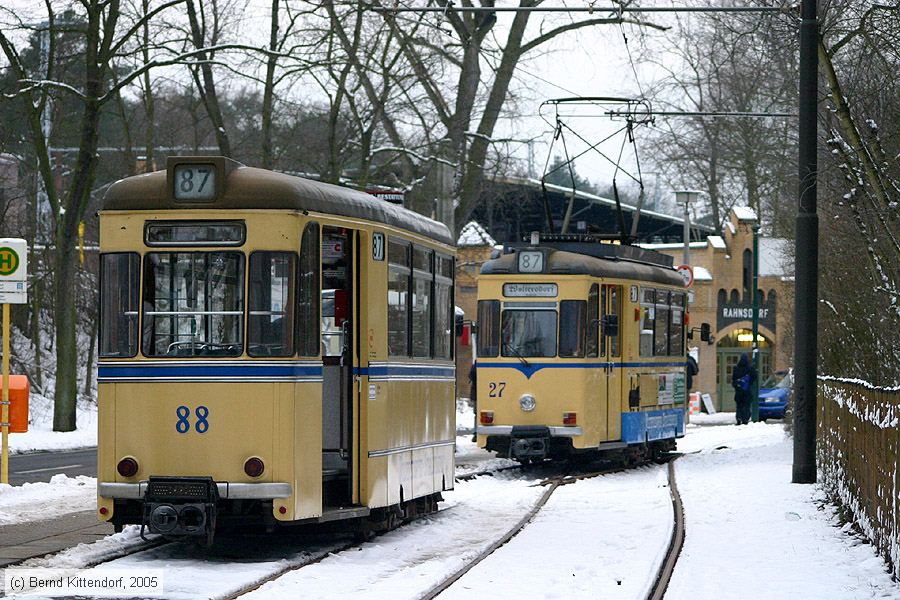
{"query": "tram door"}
pixel 338 314
pixel 611 323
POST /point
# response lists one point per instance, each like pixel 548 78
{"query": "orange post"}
pixel 18 404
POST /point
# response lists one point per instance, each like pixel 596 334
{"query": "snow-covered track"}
pixel 551 483
pixel 658 591
pixel 486 472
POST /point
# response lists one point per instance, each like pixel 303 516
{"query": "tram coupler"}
pixel 181 506
pixel 527 443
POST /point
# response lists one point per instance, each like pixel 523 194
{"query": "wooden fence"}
pixel 857 452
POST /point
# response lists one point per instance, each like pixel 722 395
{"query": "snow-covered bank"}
pixel 751 533
pixel 40 435
pixel 42 501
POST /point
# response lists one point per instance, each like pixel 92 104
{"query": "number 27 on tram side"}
pixel 274 350
pixel 580 350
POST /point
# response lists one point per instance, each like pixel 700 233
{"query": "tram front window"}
pixel 527 333
pixel 193 304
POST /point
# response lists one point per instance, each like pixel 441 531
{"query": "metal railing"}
pixel 858 453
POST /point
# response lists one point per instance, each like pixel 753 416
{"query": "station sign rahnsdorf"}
pixel 13 271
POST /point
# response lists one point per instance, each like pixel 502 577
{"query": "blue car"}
pixel 774 394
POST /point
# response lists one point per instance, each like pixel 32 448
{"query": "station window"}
pixel 270 323
pixel 571 328
pixel 648 319
pixel 119 299
pixel 488 328
pixel 443 307
pixel 193 304
pixel 422 301
pixel 592 339
pixel 661 335
pixel 309 295
pixel 398 298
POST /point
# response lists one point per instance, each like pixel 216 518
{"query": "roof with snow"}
pixel 473 234
pixel 717 242
pixel 744 213
pixel 702 274
pixel 776 257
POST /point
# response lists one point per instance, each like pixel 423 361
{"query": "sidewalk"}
pixel 21 541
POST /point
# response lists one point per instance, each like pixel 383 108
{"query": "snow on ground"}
pixel 42 501
pixel 470 458
pixel 597 538
pixel 40 434
pixel 751 533
pixel 82 555
pixel 406 562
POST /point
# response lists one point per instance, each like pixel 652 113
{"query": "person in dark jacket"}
pixel 742 378
pixel 692 369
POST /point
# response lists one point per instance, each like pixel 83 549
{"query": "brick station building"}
pixel 721 297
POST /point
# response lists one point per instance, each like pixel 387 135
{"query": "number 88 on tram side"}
pixel 274 351
pixel 580 350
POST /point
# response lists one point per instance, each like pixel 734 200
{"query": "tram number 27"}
pixel 495 389
pixel 183 424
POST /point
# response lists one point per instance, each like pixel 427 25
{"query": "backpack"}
pixel 744 382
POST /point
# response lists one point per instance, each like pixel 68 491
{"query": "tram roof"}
pixel 560 262
pixel 253 188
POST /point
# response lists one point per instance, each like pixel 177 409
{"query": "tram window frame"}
pixel 421 323
pixel 488 338
pixel 613 297
pixel 443 293
pixel 129 289
pixel 661 334
pixel 399 249
pixel 309 293
pixel 239 313
pixel 571 337
pixel 208 241
pixel 518 351
pixel 259 262
pixel 676 326
pixel 593 347
pixel 648 317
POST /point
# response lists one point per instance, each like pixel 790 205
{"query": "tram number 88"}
pixel 183 424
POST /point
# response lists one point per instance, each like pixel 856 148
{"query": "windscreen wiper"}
pixel 517 354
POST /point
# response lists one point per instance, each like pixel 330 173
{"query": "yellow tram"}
pixel 580 349
pixel 273 350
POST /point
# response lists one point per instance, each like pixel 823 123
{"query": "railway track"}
pixel 662 576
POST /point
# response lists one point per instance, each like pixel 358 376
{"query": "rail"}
pixel 857 453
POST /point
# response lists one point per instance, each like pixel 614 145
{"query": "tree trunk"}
pixel 149 107
pixel 269 90
pixel 206 83
pixel 89 368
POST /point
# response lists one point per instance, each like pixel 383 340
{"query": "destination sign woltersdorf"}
pixel 529 290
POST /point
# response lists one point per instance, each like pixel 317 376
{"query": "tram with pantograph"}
pixel 273 351
pixel 580 350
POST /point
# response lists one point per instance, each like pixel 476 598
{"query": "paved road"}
pixel 41 466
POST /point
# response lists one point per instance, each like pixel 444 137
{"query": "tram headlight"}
pixel 127 467
pixel 527 402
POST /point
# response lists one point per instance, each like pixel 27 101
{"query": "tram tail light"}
pixel 487 417
pixel 254 467
pixel 127 467
pixel 570 418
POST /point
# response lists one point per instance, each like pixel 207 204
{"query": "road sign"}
pixel 13 271
pixel 687 273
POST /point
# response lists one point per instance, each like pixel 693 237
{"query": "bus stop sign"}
pixel 13 271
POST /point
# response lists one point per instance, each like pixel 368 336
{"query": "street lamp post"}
pixel 754 389
pixel 686 197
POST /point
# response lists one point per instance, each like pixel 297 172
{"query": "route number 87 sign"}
pixel 377 246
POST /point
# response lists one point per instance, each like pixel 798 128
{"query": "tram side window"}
pixel 661 337
pixel 270 323
pixel 648 320
pixel 309 293
pixel 488 328
pixel 422 301
pixel 398 298
pixel 119 298
pixel 676 328
pixel 193 304
pixel 592 341
pixel 443 307
pixel 571 328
